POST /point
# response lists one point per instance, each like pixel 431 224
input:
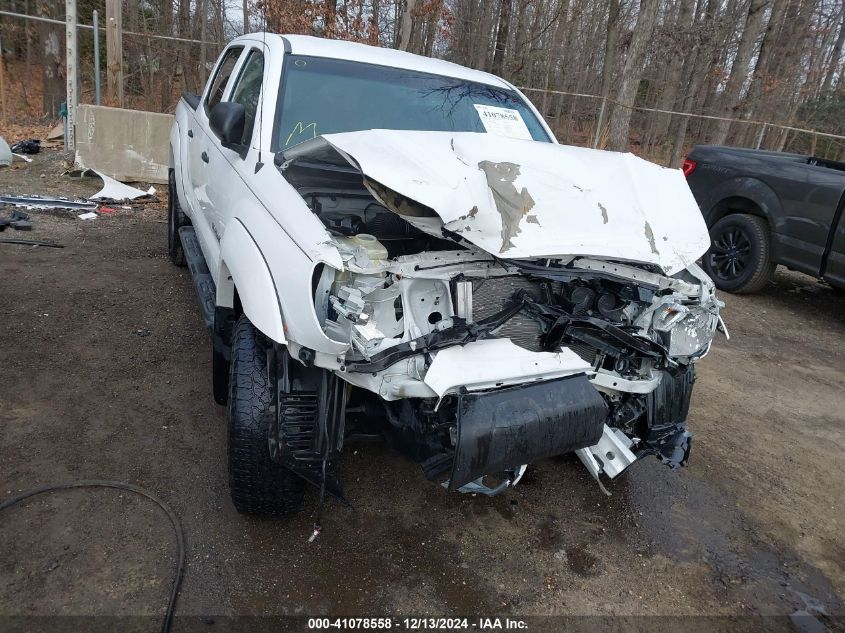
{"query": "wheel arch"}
pixel 244 282
pixel 744 195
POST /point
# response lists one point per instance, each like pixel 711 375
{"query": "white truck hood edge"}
pixel 526 199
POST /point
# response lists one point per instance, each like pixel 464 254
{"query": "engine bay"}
pixel 437 330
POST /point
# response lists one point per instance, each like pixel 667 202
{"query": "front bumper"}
pixel 501 430
pixel 498 431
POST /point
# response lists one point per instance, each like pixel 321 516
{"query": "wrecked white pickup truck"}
pixel 389 245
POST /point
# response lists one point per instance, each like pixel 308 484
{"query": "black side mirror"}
pixel 227 122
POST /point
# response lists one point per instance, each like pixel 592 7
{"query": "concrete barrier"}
pixel 128 145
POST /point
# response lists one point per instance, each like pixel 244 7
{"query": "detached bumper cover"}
pixel 667 409
pixel 500 430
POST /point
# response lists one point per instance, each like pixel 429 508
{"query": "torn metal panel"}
pixel 117 191
pixel 43 202
pixel 521 199
pixel 610 455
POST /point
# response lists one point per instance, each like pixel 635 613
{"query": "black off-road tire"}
pixel 176 219
pixel 739 259
pixel 257 484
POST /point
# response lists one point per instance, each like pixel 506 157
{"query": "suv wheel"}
pixel 739 259
pixel 176 219
pixel 258 484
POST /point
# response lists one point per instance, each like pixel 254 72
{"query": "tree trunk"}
pixel 52 60
pixel 405 25
pixel 769 47
pixel 620 120
pixel 114 53
pixel 202 16
pixel 330 19
pixel 552 61
pixel 431 28
pixel 740 68
pixel 835 65
pixel 374 28
pixel 502 36
pixel 520 49
pixel 673 73
pixel 167 57
pixel 481 54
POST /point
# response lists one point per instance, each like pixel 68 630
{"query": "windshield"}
pixel 325 96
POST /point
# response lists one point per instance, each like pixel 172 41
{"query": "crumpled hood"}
pixel 526 199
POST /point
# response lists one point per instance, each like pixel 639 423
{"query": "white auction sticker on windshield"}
pixel 503 122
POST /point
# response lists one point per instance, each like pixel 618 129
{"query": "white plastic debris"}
pixel 115 190
pixel 87 216
pixel 5 153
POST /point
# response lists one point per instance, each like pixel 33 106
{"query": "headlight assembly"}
pixel 688 329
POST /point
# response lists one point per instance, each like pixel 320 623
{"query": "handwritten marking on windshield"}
pixel 299 128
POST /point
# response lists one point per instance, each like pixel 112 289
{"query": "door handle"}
pixel 204 157
pixel 190 134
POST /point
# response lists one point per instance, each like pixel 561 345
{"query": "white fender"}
pixel 243 266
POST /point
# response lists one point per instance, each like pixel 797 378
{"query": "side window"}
pixel 221 78
pixel 247 91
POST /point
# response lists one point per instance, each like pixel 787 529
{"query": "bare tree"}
pixel 502 36
pixel 741 66
pixel 52 58
pixel 405 25
pixel 620 120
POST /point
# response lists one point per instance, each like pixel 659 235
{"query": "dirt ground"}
pixel 105 374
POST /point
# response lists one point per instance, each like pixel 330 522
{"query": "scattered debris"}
pixel 106 210
pixel 32 242
pixel 22 157
pixel 91 215
pixel 18 221
pixel 115 191
pixel 57 133
pixel 42 202
pixel 29 146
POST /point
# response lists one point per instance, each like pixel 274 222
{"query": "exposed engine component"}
pixel 626 331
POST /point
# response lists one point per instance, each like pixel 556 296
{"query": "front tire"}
pixel 739 259
pixel 176 219
pixel 257 484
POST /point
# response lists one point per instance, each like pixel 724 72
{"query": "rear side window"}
pixel 247 90
pixel 221 77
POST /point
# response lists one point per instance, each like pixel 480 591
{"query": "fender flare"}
pixel 243 267
pixel 752 189
pixel 174 159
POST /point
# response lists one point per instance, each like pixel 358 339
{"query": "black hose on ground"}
pixel 119 485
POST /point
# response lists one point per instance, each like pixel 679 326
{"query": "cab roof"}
pixel 352 51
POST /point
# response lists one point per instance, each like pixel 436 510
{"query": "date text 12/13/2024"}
pixel 418 624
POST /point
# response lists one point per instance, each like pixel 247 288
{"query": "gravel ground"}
pixel 105 374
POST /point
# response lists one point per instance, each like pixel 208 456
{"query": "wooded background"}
pixel 778 62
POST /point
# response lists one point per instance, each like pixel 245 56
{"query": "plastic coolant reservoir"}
pixel 375 250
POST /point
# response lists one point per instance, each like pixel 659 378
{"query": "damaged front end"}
pixel 475 363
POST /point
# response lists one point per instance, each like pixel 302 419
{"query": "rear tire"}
pixel 739 259
pixel 257 484
pixel 176 219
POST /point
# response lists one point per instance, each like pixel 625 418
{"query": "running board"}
pixel 203 281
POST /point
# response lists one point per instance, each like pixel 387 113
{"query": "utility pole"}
pixel 114 53
pixel 71 58
pixel 96 21
pixel 2 86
